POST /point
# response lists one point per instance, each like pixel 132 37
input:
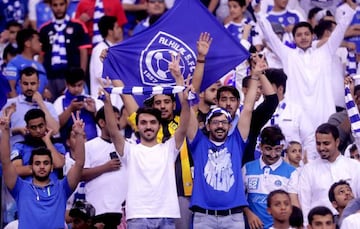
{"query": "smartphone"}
pixel 113 155
pixel 80 98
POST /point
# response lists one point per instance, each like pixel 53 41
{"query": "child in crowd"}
pixel 280 208
pixel 294 154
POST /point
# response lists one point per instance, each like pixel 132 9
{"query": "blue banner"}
pixel 4 89
pixel 143 59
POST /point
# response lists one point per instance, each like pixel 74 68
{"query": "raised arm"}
pixel 202 45
pixel 74 174
pixel 58 158
pixel 116 137
pixel 9 171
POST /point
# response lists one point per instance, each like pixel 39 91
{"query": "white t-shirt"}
pixel 152 187
pixel 108 191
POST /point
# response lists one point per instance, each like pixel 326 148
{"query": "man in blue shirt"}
pixel 41 201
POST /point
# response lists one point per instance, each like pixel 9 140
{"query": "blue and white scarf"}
pixel 353 112
pixel 351 65
pixel 98 13
pixel 58 57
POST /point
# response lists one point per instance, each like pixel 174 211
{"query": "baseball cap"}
pixel 217 111
pixel 82 209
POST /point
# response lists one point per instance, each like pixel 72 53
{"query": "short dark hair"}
pixel 148 110
pixel 74 75
pixel 230 89
pixel 271 135
pixel 13 23
pixel 33 114
pixel 327 128
pixel 29 71
pixel 322 26
pixel 277 77
pixel 313 12
pixel 41 151
pixel 331 193
pixel 23 36
pixel 275 192
pixel 320 210
pixel 300 25
pixel 241 3
pixel 105 24
pixel 9 49
pixel 296 218
pixel 100 114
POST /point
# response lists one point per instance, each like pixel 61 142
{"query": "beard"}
pixel 41 178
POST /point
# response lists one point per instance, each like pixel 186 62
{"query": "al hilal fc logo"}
pixel 155 59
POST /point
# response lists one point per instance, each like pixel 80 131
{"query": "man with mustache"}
pixel 266 174
pixel 317 177
pixel 29 99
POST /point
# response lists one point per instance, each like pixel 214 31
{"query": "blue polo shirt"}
pixel 41 207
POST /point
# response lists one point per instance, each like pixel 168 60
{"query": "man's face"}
pixel 41 167
pixel 280 208
pixel 29 84
pixel 218 128
pixel 148 127
pixel 343 194
pixel 58 8
pixel 303 37
pixel 327 146
pixel 37 127
pixel 271 154
pixel 13 30
pixel 281 4
pixel 35 44
pixel 79 223
pixel 235 10
pixel 322 222
pixel 210 94
pixel 76 88
pixel 117 32
pixel 165 104
pixel 156 7
pixel 228 102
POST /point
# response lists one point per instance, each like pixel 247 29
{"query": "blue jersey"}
pixel 285 18
pixel 218 182
pixel 237 30
pixel 41 207
pixel 355 39
pixel 261 179
pixel 12 71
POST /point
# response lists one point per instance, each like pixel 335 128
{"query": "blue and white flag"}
pixel 143 59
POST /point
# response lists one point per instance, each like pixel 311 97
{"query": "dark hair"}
pixel 353 148
pixel 296 218
pixel 320 210
pixel 9 50
pixel 74 75
pixel 271 135
pixel 300 25
pixel 105 24
pixel 100 114
pixel 29 71
pixel 331 193
pixel 149 102
pixel 275 192
pixel 13 23
pixel 277 77
pixel 23 36
pixel 42 151
pixel 327 128
pixel 322 26
pixel 33 114
pixel 148 110
pixel 356 88
pixel 230 89
pixel 313 12
pixel 241 3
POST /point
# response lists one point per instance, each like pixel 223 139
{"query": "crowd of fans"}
pixel 274 147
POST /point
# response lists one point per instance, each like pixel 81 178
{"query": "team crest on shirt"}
pixel 291 20
pixel 278 183
pixel 155 58
pixel 69 30
pixel 253 183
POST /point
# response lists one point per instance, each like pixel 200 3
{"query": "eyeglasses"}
pixel 217 122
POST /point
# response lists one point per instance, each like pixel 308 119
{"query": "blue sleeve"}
pixel 66 187
pixel 11 71
pixel 60 148
pixel 16 190
pixel 17 152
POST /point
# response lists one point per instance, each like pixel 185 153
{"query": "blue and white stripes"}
pixel 58 57
pixel 351 65
pixel 353 112
pixel 98 13
pixel 146 90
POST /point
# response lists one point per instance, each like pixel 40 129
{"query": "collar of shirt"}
pixel 273 166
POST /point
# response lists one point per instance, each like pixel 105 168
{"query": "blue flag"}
pixel 143 59
pixel 4 89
